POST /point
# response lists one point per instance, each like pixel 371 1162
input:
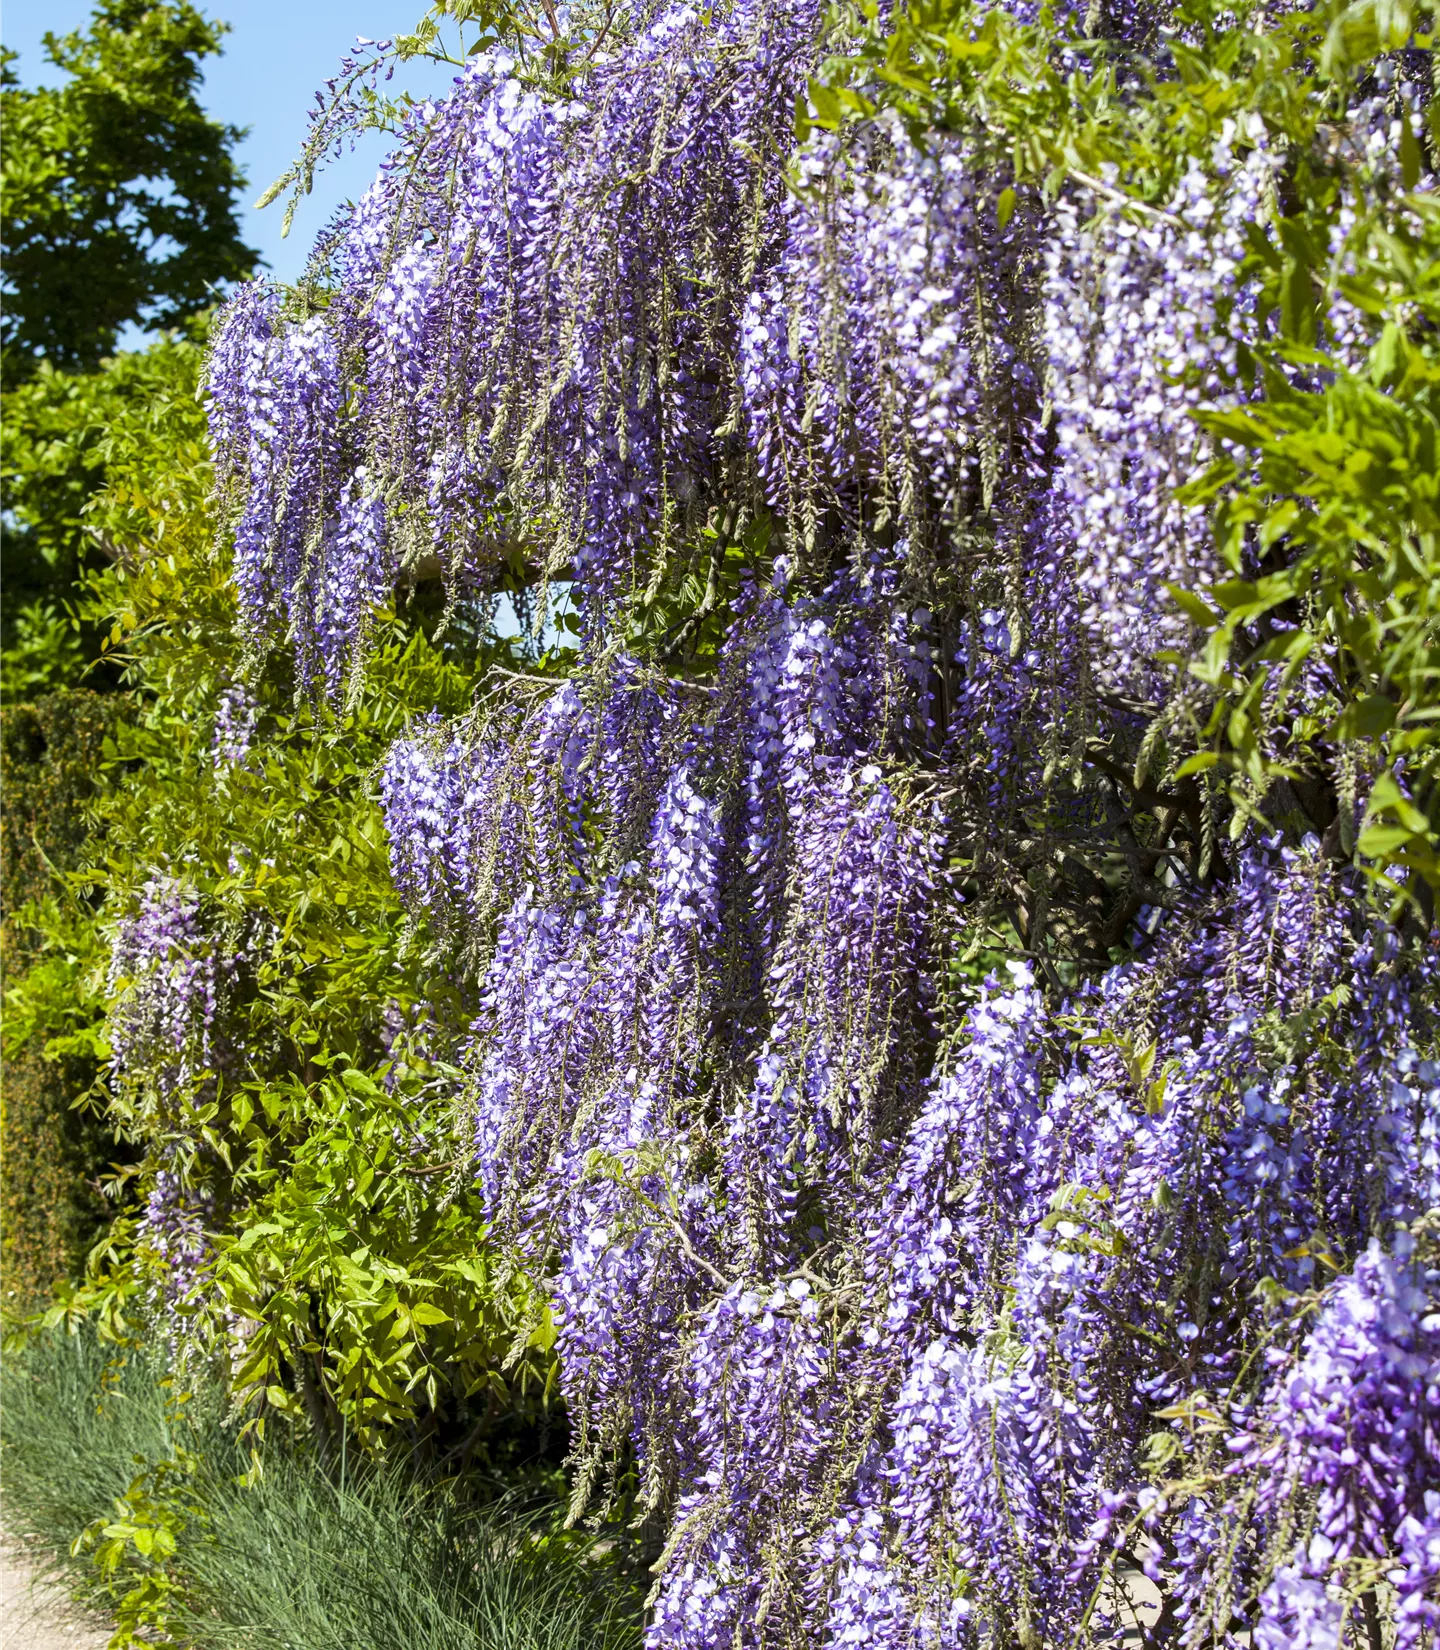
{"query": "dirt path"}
pixel 37 1616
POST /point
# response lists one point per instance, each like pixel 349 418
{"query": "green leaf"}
pixel 1297 301
pixel 1386 797
pixel 1411 159
pixel 826 105
pixel 1193 606
pixel 1384 841
pixel 1367 718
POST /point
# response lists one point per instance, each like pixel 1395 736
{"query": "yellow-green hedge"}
pixel 51 1155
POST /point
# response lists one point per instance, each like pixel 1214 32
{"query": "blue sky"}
pixel 278 52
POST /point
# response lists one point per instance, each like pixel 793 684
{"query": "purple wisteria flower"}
pixel 934 1297
pixel 167 977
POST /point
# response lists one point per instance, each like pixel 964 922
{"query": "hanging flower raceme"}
pixel 173 1232
pixel 1348 1445
pixel 1141 321
pixel 236 715
pixel 530 330
pixel 167 976
pixel 879 357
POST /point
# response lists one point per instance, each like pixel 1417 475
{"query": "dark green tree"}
pixel 117 200
pixel 117 205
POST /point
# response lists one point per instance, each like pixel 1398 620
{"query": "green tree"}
pixel 118 189
pixel 117 205
pixel 60 433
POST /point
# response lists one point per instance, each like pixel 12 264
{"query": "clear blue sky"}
pixel 278 53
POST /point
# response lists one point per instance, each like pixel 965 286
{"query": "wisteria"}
pixel 871 363
pixel 168 978
pixel 1136 342
pixel 172 980
pixel 983 1168
pixel 486 285
pixel 965 1282
pixel 173 1233
pixel 235 717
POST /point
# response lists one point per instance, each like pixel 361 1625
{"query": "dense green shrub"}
pixel 300 1158
pixel 51 1152
pixel 50 755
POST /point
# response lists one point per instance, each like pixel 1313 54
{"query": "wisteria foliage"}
pixel 903 1304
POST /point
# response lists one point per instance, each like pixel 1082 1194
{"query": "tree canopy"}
pixel 118 208
pixel 118 189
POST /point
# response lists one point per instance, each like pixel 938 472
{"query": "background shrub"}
pixel 51 1153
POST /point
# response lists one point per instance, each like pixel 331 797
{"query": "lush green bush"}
pixel 67 437
pixel 52 1149
pixel 137 1490
pixel 306 1140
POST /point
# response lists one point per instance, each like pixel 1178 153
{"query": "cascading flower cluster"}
pixel 1354 1420
pixel 871 363
pixel 530 333
pixel 929 1311
pixel 170 979
pixel 1141 326
pixel 167 977
pixel 173 1231
pixel 236 715
pixel 889 1324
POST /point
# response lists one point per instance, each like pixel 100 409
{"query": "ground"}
pixel 35 1615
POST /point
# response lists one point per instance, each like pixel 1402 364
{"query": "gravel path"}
pixel 37 1616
